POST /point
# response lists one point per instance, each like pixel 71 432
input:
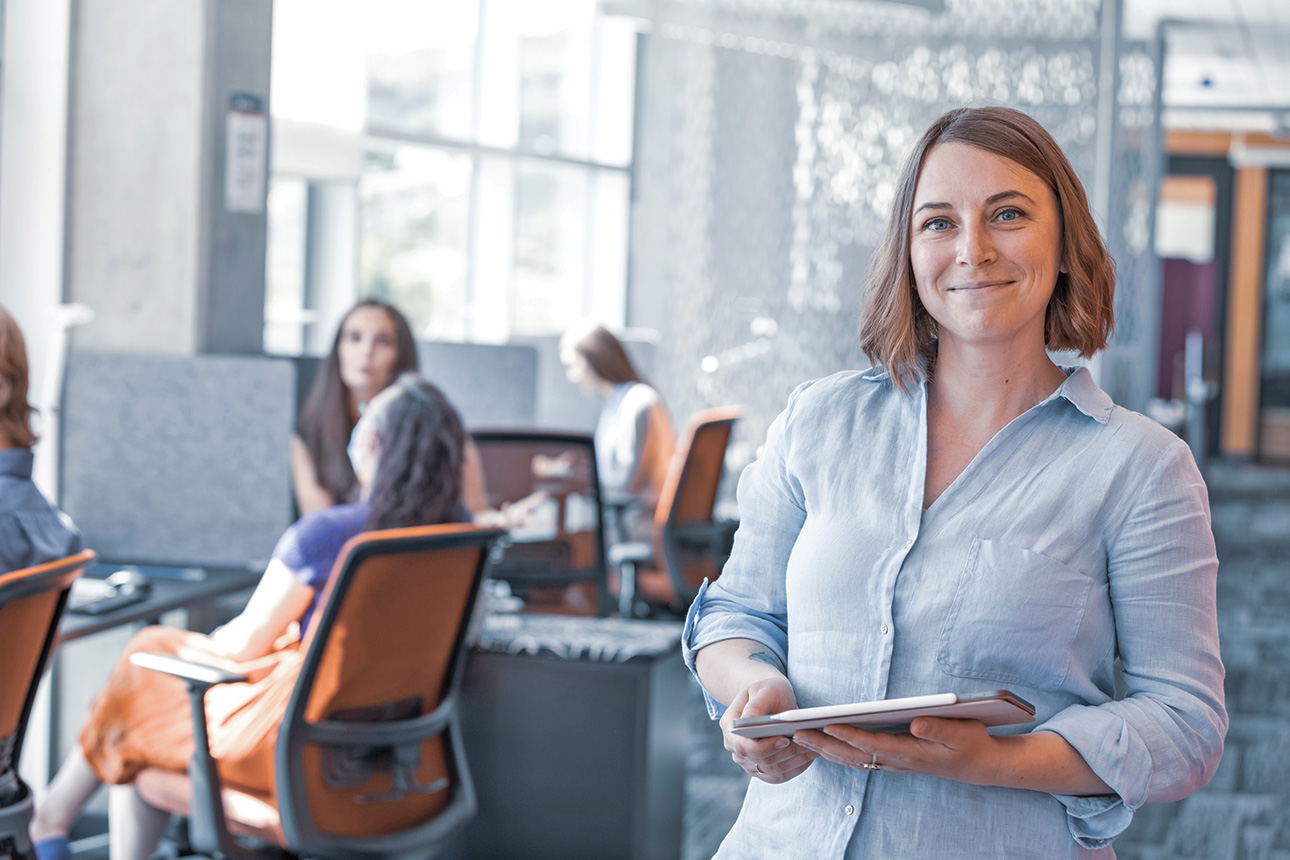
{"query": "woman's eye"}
pixel 1009 215
pixel 937 224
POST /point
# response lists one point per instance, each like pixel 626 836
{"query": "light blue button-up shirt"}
pixel 1079 534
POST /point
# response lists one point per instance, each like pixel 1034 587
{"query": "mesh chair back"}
pixel 563 541
pixel 383 658
pixel 31 605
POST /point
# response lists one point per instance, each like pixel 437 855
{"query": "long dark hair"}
pixel 604 353
pixel 418 472
pixel 326 421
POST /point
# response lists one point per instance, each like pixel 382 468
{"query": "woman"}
pixel 965 517
pixel 407 454
pixel 31 531
pixel 634 439
pixel 372 347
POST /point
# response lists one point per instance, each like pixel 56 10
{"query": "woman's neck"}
pixel 996 385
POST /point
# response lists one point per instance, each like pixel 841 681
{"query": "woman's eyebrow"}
pixel 993 198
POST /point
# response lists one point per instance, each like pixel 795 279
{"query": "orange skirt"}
pixel 141 719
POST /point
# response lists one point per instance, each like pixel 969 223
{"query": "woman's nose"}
pixel 975 246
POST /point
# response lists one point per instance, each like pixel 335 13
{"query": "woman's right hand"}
pixel 773 760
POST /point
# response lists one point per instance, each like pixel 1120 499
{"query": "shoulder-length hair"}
pixel 896 331
pixel 327 420
pixel 15 413
pixel 604 353
pixel 420 444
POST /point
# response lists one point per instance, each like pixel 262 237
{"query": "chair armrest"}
pixel 198 674
pixel 209 832
pixel 634 551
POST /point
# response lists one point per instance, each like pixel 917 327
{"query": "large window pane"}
pixel 607 285
pixel 421 66
pixel 537 75
pixel 284 287
pixel 550 247
pixel 414 230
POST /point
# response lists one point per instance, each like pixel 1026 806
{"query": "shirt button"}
pixel 884 629
pixel 908 544
pixel 850 810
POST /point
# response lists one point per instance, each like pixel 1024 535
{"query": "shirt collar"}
pixel 1084 394
pixel 16 462
pixel 1079 388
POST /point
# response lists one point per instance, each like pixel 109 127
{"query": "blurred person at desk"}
pixel 407 453
pixel 968 516
pixel 634 439
pixel 373 346
pixel 31 530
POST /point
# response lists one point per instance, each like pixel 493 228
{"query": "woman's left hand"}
pixel 955 749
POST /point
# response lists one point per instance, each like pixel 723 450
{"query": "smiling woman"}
pixel 969 516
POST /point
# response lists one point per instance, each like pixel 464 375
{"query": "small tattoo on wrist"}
pixel 765 657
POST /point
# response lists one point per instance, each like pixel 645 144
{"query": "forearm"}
pixel 1043 761
pixel 728 667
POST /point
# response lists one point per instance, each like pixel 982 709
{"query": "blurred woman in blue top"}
pixel 964 517
pixel 31 530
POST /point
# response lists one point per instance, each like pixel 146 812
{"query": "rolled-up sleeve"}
pixel 749 600
pixel 1164 739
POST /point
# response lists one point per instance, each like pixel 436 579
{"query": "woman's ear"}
pixel 6 390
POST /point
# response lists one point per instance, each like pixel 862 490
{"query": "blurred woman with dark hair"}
pixel 373 346
pixel 407 455
pixel 634 438
pixel 31 531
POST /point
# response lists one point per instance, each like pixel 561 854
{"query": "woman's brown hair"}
pixel 326 421
pixel 15 413
pixel 896 330
pixel 604 353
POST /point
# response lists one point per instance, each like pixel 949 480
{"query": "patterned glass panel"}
pixel 770 138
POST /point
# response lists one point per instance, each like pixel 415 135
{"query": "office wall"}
pixel 769 140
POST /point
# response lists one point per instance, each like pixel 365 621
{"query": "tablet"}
pixel 994 708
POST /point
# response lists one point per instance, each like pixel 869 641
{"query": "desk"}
pixel 576 736
pixel 41 754
pixel 165 594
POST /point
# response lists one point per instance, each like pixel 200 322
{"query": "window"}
pixel 491 165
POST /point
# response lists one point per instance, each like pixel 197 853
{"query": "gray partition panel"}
pixel 490 384
pixel 178 459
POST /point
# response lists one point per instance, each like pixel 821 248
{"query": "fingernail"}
pixel 781 743
pixel 828 730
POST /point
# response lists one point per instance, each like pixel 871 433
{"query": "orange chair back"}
pixel 690 495
pixel 388 645
pixel 31 605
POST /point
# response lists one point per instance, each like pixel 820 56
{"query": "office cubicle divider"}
pixel 178 460
pixel 492 385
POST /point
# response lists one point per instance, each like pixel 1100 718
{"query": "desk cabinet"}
pixel 576 736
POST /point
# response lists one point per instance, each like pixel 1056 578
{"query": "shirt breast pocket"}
pixel 1014 617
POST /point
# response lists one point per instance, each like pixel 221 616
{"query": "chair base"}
pixel 15 818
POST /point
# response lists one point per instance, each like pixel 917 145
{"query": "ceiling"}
pixel 1227 62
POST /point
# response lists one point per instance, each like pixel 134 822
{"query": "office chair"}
pixel 369 760
pixel 563 543
pixel 689 545
pixel 31 604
